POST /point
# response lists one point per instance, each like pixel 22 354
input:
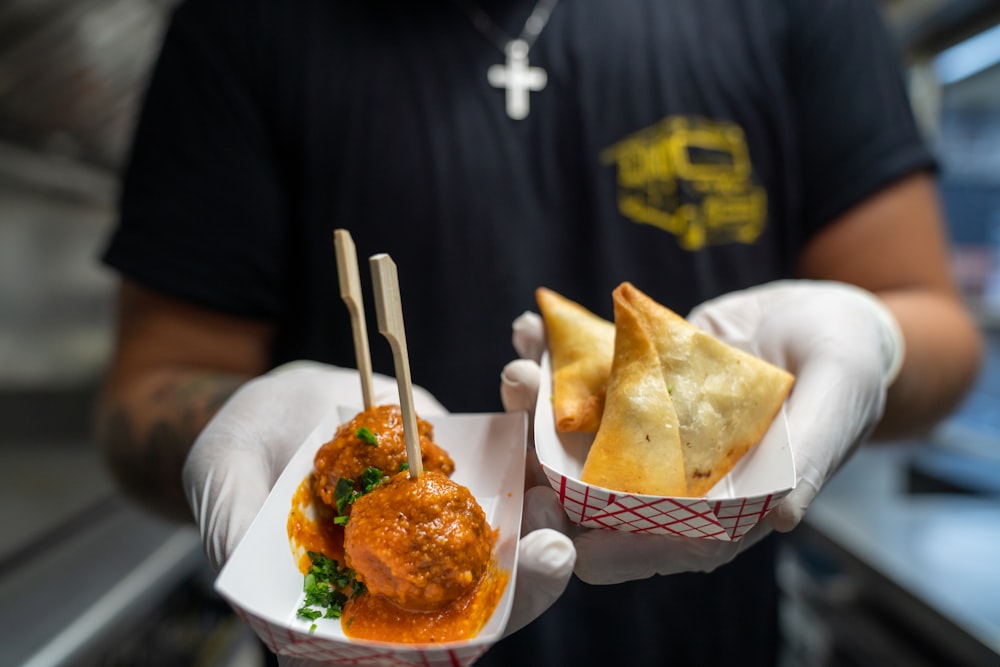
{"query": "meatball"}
pixel 381 446
pixel 421 542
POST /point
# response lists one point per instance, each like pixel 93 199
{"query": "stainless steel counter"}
pixel 80 567
pixel 928 560
pixel 916 527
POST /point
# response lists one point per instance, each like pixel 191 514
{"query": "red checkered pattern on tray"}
pixel 726 519
pixel 302 645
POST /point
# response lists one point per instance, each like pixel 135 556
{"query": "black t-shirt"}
pixel 691 147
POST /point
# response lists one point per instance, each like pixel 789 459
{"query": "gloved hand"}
pixel 845 349
pixel 242 451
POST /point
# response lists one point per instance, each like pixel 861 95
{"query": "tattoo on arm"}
pixel 148 435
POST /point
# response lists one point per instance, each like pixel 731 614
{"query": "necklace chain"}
pixel 533 26
pixel 516 76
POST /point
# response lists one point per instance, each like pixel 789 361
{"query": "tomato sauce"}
pixel 374 617
pixel 311 528
pixel 377 618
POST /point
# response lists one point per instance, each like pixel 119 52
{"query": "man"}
pixel 696 148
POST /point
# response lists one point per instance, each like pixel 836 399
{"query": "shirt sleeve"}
pixel 201 210
pixel 856 128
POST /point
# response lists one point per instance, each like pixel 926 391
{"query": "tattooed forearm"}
pixel 146 433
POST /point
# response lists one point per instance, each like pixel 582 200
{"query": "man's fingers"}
pixel 528 336
pixel 224 505
pixel 542 510
pixel 611 557
pixel 545 564
pixel 789 512
pixel 534 475
pixel 519 385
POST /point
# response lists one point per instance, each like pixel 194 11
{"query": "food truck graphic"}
pixel 691 177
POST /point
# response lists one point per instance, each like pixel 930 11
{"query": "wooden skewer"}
pixel 350 292
pixel 389 310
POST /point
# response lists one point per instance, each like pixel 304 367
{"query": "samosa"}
pixel 724 398
pixel 581 346
pixel 638 447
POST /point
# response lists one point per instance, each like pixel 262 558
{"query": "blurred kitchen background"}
pixel 898 562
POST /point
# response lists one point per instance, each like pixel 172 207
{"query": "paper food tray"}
pixel 730 509
pixel 264 586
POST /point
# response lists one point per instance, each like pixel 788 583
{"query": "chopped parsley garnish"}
pixel 345 495
pixel 366 435
pixel 327 587
pixel 370 478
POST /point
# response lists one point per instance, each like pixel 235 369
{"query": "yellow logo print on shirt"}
pixel 691 177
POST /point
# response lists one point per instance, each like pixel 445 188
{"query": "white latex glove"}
pixel 242 451
pixel 845 349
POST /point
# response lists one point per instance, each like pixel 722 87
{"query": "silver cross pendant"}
pixel 518 78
